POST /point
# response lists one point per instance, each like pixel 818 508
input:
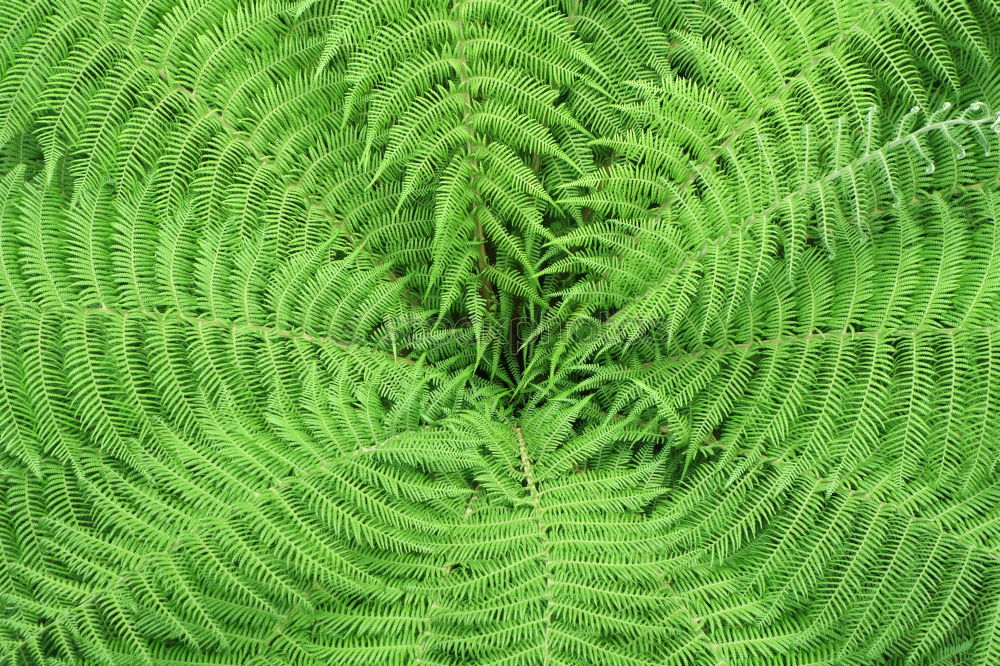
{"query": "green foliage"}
pixel 499 332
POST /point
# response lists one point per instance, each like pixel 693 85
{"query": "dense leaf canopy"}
pixel 562 332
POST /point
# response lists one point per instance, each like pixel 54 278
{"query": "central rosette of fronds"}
pixel 499 332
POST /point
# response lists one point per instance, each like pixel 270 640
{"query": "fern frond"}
pixel 499 332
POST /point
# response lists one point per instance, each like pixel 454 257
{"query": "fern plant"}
pixel 499 332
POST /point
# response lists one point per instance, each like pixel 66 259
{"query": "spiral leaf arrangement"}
pixel 512 332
